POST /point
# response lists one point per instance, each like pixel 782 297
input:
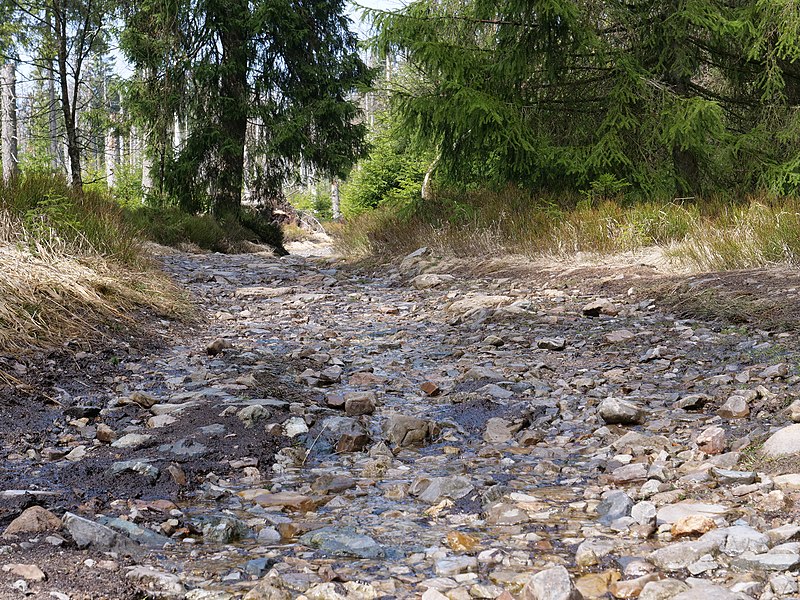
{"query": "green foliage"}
pixel 674 97
pixel 317 201
pixel 88 223
pixel 392 173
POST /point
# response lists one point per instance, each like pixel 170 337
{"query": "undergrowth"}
pixel 715 234
pixel 69 265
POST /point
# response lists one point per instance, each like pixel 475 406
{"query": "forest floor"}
pixel 430 428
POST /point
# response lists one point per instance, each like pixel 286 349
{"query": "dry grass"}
pixel 707 235
pixel 53 293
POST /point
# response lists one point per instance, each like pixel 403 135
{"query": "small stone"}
pixel 663 590
pixel 453 565
pixel 143 399
pixel 33 520
pixel 402 430
pixel 551 343
pixel 782 442
pixel 693 525
pixel 27 572
pixel 250 415
pixel 621 412
pixel 217 346
pixel 430 389
pixel 343 542
pixel 712 440
pixel 132 441
pixel 779 371
pixel 462 542
pixel 453 487
pixel 554 583
pixel 493 340
pixel 619 336
pixel 615 505
pixel 735 407
pixel 600 307
pixel 105 434
pixel 631 588
pixel 359 403
pixel 693 402
pixel 294 426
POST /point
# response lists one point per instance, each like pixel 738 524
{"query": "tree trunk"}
pixel 232 109
pixel 9 135
pixel 336 212
pixel 112 156
pixel 56 163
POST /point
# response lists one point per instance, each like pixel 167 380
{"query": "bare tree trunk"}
pixel 112 156
pixel 56 161
pixel 9 135
pixel 335 209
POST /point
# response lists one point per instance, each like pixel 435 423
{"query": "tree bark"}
pixel 9 134
pixel 233 104
pixel 336 212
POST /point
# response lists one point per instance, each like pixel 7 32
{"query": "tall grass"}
pixel 70 267
pixel 717 233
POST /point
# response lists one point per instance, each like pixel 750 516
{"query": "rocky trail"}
pixel 327 433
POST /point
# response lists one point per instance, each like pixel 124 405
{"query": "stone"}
pixel 600 307
pixel 431 389
pixel 671 513
pixel 619 336
pixel 402 430
pixel 160 421
pixel 735 407
pixel 779 371
pixel 787 482
pixel 359 403
pixel 502 513
pixel 160 583
pixel 712 440
pixel 286 500
pixel 693 401
pixel 217 346
pixel 680 555
pixel 145 537
pixel 742 538
pixel 620 412
pixel 333 484
pixel 28 572
pixel 415 258
pixel 132 441
pixel 89 534
pixel 33 520
pixel 692 525
pixel 427 281
pixel 551 343
pixel 250 415
pixel 294 426
pixel 632 472
pixel 185 448
pixel 343 542
pixel 453 565
pixel 554 583
pixel 631 588
pixel 729 477
pixel 498 431
pixel 453 487
pixel 143 399
pixel 782 442
pixel 663 589
pixel 615 505
pixel 592 550
pixel 707 591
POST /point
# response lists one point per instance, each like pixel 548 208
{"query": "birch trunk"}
pixel 8 83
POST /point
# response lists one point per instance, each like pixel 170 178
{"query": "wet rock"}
pixel 438 488
pixel 615 505
pixel 287 500
pixel 782 442
pixel 621 412
pixel 333 484
pixel 88 534
pixel 343 542
pixel 551 584
pixel 185 449
pixel 223 529
pixel 159 583
pixel 145 537
pixel 142 467
pixel 693 401
pixel 33 520
pixel 402 430
pixel 345 434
